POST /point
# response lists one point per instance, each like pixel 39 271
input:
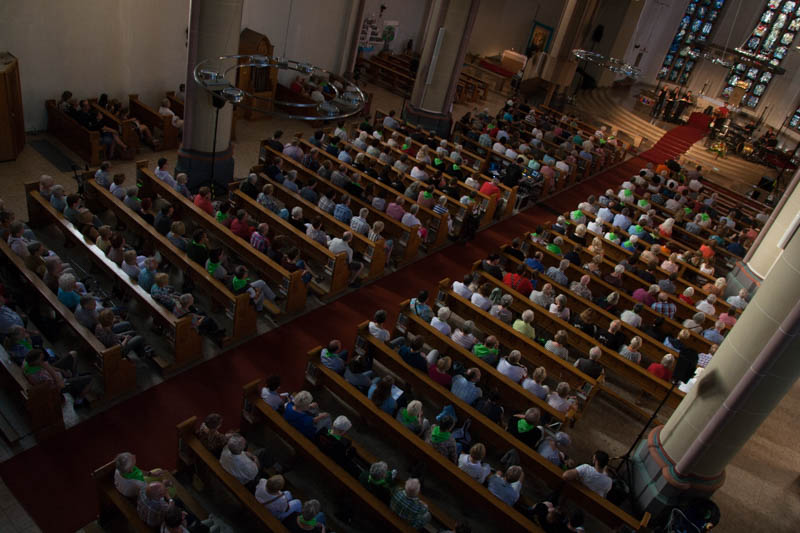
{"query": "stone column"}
pixel 444 48
pixel 755 266
pixel 214 27
pixel 621 40
pixel 752 370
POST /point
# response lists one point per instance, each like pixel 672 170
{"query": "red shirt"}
pixel 686 299
pixel 706 251
pixel 204 204
pixel 490 189
pixel 660 371
pixel 518 283
pixel 641 295
pixel 241 228
pixel 439 377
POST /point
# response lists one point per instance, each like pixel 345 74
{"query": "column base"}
pixel 441 123
pixel 657 486
pixel 197 165
pixel 742 277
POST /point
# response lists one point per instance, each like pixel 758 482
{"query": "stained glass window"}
pixel 694 31
pixel 770 42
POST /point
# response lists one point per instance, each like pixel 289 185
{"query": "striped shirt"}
pixel 359 225
pixel 259 242
pixel 665 308
pixel 326 204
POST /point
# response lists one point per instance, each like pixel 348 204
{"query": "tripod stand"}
pixel 625 460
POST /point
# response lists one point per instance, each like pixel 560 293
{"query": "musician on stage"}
pixel 660 97
pixel 683 103
pixel 672 97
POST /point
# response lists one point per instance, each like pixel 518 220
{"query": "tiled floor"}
pixel 13 518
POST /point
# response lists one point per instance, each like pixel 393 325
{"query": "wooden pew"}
pixel 150 117
pixel 649 315
pixel 405 238
pixel 126 128
pixel 390 77
pixel 113 506
pixel 496 438
pixel 192 452
pixel 374 253
pixel 488 204
pixel 243 313
pixel 436 224
pixel 508 194
pixel 117 372
pixel 511 394
pixel 42 403
pixel 533 353
pixel 630 280
pixel 627 371
pixel 255 410
pixel 287 283
pixel 506 517
pixel 185 340
pixel 174 103
pixel 83 142
pixel 335 266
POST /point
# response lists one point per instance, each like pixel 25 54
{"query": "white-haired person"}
pixel 407 505
pixel 378 480
pixel 707 306
pixel 242 464
pixel 304 415
pixel 535 383
pixel 129 479
pixel 554 449
pixel 279 502
pixel 663 369
pixel 561 399
pixel 440 321
pixel 413 418
pixel 335 444
pixel 591 366
pixel 510 367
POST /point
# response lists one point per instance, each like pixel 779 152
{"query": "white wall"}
pixel 655 30
pixel 316 30
pixel 408 13
pixel 94 46
pixel 138 46
pixel 506 24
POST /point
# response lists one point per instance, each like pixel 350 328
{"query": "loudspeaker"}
pixel 685 366
pixel 597 34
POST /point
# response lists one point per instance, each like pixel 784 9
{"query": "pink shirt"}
pixel 395 211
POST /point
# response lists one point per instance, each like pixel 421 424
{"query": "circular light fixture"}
pixel 210 75
pixel 613 64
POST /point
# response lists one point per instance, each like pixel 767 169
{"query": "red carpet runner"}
pixel 52 480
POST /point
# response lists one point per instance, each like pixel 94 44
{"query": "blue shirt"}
pixel 292 186
pixel 71 299
pixel 332 361
pixel 465 389
pixel 713 336
pixel 736 249
pixel 8 319
pixel 146 278
pixel 389 404
pixel 342 213
pixel 301 421
pixel 503 490
pixel 535 264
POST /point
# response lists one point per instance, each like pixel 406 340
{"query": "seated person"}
pixel 441 438
pixel 210 435
pixel 472 463
pixel 270 394
pixel 309 519
pixel 63 374
pixel 279 502
pixel 420 307
pixel 554 448
pixel 358 374
pixel 378 481
pixel 304 415
pixel 525 427
pixel 406 504
pixel 535 384
pixel 595 476
pixel 334 357
pixel 238 462
pixel 335 444
pixel 381 394
pixel 412 417
pixel 129 479
pixel 507 486
pixel 560 399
